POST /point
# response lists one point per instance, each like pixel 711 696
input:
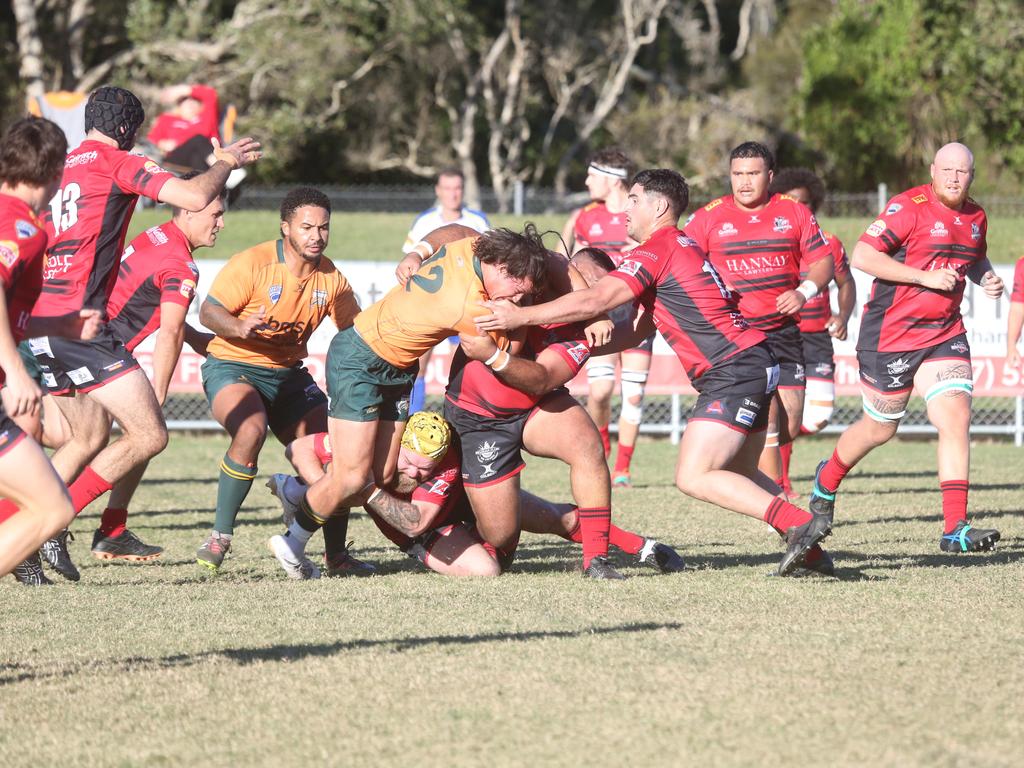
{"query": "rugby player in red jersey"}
pixel 728 362
pixel 1015 319
pixel 36 503
pixel 760 244
pixel 99 380
pixel 602 224
pixel 921 251
pixel 818 324
pixel 156 284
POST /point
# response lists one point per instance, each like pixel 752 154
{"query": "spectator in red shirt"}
pixel 184 134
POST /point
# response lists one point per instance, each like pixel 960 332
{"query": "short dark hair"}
pixel 669 184
pixel 300 197
pixel 597 256
pixel 452 171
pixel 751 149
pixel 32 152
pixel 795 178
pixel 521 255
pixel 614 157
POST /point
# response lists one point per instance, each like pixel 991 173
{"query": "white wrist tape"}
pixel 492 358
pixel 504 364
pixel 808 289
pixel 423 249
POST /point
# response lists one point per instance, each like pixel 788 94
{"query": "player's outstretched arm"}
pixel 197 339
pixel 198 192
pixel 883 266
pixel 627 335
pixel 607 293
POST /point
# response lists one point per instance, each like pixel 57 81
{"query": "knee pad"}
pixel 819 404
pixel 633 383
pixel 600 372
pixel 883 418
pixel 950 385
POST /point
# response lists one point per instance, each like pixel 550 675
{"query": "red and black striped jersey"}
pixel 22 245
pixel 157 267
pixel 759 254
pixel 694 310
pixel 814 315
pixel 916 229
pixel 88 222
pixel 597 227
pixel 473 387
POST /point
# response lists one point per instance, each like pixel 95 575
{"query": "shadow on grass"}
pixel 979 516
pixel 12 673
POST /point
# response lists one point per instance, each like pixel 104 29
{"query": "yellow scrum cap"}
pixel 428 434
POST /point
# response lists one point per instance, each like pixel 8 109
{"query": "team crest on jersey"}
pixel 715 408
pixel 595 230
pixel 686 242
pixel 897 366
pixel 24 229
pixel 939 230
pixel 8 253
pixel 727 230
pixel 877 228
pixel 975 231
pixel 799 373
pixel 319 298
pixel 487 452
pixel 893 208
pixel 959 346
pixel 782 224
pixel 579 353
pixel 193 268
pixel 920 199
pixel 630 267
pixel 274 292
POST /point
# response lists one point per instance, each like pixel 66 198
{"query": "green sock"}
pixel 232 488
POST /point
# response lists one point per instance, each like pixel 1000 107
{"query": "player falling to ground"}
pixel 430 477
pixel 499 405
pixel 602 224
pixel 36 503
pixel 760 244
pixel 155 286
pixel 262 307
pixel 449 210
pixel 921 251
pixel 818 324
pixel 99 380
pixel 729 363
pixel 372 365
pixel 1015 318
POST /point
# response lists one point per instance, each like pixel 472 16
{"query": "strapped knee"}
pixel 633 383
pixel 883 418
pixel 818 405
pixel 954 386
pixel 600 372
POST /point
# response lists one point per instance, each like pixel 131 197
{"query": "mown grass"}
pixel 910 657
pixel 379 236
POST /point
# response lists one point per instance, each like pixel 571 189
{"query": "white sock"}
pixel 297 537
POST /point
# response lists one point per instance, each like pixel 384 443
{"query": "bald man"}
pixel 921 251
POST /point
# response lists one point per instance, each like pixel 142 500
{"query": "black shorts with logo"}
pixel 819 356
pixel 69 365
pixel 738 390
pixel 10 433
pixel 893 372
pixel 788 348
pixel 491 447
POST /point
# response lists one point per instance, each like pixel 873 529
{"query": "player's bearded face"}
pixel 750 178
pixel 308 231
pixel 951 181
pixel 414 468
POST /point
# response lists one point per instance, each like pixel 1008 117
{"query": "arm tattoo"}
pixel 403 515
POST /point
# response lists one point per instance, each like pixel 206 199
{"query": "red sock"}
pixel 624 457
pixel 594 525
pixel 7 509
pixel 113 521
pixel 786 452
pixel 574 534
pixel 606 440
pixel 781 515
pixel 86 488
pixel 832 473
pixel 954 502
pixel 628 542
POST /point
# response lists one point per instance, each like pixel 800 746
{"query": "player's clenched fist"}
pixel 250 324
pixel 944 279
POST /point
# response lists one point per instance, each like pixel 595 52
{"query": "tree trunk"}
pixel 30 49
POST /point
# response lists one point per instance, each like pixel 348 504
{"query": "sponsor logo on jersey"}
pixel 82 159
pixel 975 231
pixel 193 268
pixel 579 353
pixel 754 220
pixel 128 252
pixel 686 242
pixel 630 267
pixel 595 230
pixel 150 167
pixel 8 252
pixel 823 369
pixel 24 229
pixel 713 204
pixel 319 297
pixel 939 230
pixel 799 373
pixel 188 289
pixel 80 375
pixel 156 236
pixel 312 391
pixel 715 407
pixel 746 417
pixel 689 219
pixel 114 366
pixel 893 208
pixel 50 380
pixel 782 224
pixel 899 365
pixel 897 381
pixel 956 220
pixel 274 292
pixel 615 220
pixel 728 230
pixel 439 487
pixel 877 228
pixel 920 199
pixel 959 346
pixel 757 263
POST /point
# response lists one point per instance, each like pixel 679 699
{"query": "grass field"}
pixel 909 657
pixel 379 236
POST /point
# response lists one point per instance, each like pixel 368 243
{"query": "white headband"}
pixel 608 170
